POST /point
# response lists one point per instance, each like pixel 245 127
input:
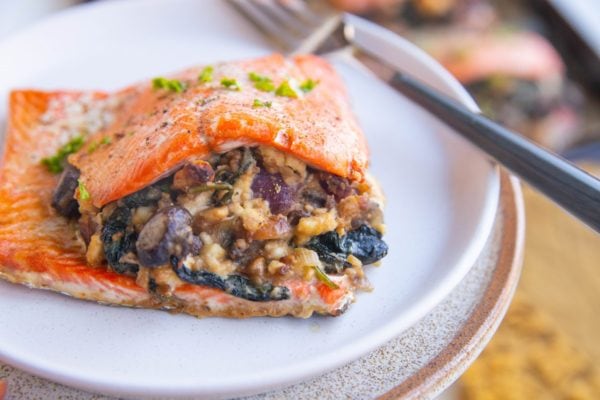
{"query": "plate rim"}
pixel 484 320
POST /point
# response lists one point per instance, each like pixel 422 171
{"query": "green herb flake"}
pixel 285 90
pixel 160 83
pixel 230 84
pixel 83 192
pixel 257 104
pixel 265 86
pixel 55 164
pixel 93 147
pixel 254 77
pixel 176 86
pixel 206 75
pixel 172 85
pixel 322 276
pixel 261 82
pixel 308 85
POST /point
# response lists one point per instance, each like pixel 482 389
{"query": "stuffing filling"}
pixel 245 221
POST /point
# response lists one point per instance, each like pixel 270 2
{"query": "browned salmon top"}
pixel 155 130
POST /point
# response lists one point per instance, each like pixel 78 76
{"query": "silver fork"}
pixel 297 26
pixel 294 26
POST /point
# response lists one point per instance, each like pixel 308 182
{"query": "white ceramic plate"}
pixel 442 198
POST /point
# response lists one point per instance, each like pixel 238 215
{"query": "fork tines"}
pixel 294 25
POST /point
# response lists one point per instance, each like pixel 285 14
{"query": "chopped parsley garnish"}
pixel 264 86
pixel 172 85
pixel 83 193
pixel 254 77
pixel 262 83
pixel 308 85
pixel 206 75
pixel 56 163
pixel 94 145
pixel 230 83
pixel 257 103
pixel 322 276
pixel 285 90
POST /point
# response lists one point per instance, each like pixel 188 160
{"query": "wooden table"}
pixel 548 345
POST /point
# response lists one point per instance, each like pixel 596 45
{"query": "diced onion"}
pixel 306 258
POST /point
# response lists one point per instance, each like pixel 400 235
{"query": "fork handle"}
pixel 572 188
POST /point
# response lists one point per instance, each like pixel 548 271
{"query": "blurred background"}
pixel 533 65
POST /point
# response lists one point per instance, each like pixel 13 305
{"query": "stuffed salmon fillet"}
pixel 236 189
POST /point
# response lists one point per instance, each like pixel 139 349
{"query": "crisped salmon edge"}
pixel 188 300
